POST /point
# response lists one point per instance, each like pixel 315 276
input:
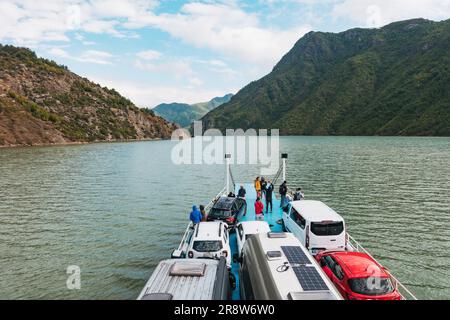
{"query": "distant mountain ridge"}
pixel 184 114
pixel 44 103
pixel 389 81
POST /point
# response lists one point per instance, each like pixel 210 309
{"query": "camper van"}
pixel 317 226
pixel 276 266
pixel 188 279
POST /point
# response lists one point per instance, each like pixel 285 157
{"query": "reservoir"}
pixel 115 210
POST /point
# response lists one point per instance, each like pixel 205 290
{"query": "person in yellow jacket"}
pixel 258 187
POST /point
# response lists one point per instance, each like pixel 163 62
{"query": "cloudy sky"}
pixel 186 51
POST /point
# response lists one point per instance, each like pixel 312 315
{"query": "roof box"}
pixel 180 269
pixel 276 235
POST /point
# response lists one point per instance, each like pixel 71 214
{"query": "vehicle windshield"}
pixel 327 228
pixel 219 213
pixel 207 246
pixel 374 286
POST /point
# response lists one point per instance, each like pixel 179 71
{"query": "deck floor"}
pixel 272 218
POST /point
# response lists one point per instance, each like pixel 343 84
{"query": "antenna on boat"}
pixel 228 164
pixel 284 156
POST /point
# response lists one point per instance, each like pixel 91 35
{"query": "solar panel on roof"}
pixel 295 255
pixel 310 279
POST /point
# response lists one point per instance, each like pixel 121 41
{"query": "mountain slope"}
pixel 44 103
pixel 388 81
pixel 184 114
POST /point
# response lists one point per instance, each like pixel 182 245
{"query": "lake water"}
pixel 116 210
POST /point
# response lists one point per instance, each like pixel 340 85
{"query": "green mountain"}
pixel 389 81
pixel 184 114
pixel 43 103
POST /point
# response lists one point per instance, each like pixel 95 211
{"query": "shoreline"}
pixel 80 143
pixel 76 143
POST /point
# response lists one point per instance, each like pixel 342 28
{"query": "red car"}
pixel 357 276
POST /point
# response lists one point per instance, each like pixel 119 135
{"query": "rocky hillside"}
pixel 44 103
pixel 389 81
pixel 184 114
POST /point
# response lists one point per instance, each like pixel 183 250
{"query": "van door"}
pixel 287 220
pixel 327 235
pixel 298 226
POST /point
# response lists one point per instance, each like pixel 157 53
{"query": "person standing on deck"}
pixel 283 192
pixel 269 193
pixel 259 209
pixel 241 194
pixel 258 187
pixel 299 195
pixel 204 215
pixel 263 186
pixel 196 215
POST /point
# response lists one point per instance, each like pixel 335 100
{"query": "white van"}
pixel 317 226
pixel 276 266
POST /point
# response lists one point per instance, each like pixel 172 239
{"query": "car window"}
pixel 219 213
pixel 327 228
pixel 207 246
pixel 329 261
pixel 373 286
pixel 338 271
pixel 299 220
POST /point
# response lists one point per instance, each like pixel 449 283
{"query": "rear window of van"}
pixel 327 228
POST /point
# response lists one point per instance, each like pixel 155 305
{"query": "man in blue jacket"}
pixel 196 215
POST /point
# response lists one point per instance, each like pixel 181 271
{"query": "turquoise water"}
pixel 116 210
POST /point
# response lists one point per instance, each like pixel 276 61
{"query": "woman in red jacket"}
pixel 259 209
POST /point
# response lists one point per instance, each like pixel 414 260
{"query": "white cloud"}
pixel 226 29
pixel 60 53
pixel 223 27
pixel 196 81
pixel 149 55
pixel 150 95
pixel 94 56
pixel 31 22
pixel 376 13
pixel 175 68
pixel 89 56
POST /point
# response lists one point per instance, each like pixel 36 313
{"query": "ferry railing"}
pixel 180 252
pixel 405 293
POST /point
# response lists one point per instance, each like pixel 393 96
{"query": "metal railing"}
pixel 277 176
pixel 232 179
pixel 406 294
pixel 188 233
